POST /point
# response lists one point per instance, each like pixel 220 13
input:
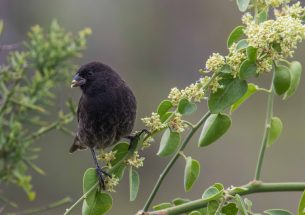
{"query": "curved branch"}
pixel 252 187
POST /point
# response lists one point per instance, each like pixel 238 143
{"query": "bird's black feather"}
pixel 106 110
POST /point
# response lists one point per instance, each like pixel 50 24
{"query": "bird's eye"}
pixel 90 73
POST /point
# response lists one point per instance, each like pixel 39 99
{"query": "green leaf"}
pixel 186 107
pixel 242 5
pixel 165 116
pixel 229 209
pixel 212 207
pixel 301 208
pixel 263 15
pixel 134 183
pixel 191 173
pixel 102 204
pixel 252 88
pixel 89 180
pixel 242 44
pixel 164 107
pixel 232 91
pixel 119 171
pixel 195 213
pixel 179 201
pixel 247 69
pixel 281 81
pixel 251 53
pixel 278 212
pixel 235 35
pixel 295 73
pixel 121 150
pixel 241 205
pixel 169 143
pixel 276 127
pixel 162 206
pixel 214 127
pixel 226 69
pixel 211 193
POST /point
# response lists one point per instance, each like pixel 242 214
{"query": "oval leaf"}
pixel 247 69
pixel 252 88
pixel 119 171
pixel 251 53
pixel 191 173
pixel 301 208
pixel 281 81
pixel 165 116
pixel 162 206
pixel 232 91
pixel 242 5
pixel 121 150
pixel 180 201
pixel 295 73
pixel 211 193
pixel 134 183
pixel 164 107
pixel 186 107
pixel 276 127
pixel 242 44
pixel 277 212
pixel 263 15
pixel 214 127
pixel 169 143
pixel 89 180
pixel 195 213
pixel 102 204
pixel 212 207
pixel 229 209
pixel 235 35
pixel 241 205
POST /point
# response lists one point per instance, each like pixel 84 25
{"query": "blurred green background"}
pixel 156 45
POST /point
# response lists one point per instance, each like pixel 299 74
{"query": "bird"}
pixel 106 110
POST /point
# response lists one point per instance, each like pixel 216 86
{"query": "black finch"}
pixel 106 110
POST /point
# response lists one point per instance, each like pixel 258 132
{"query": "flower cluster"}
pixel 275 39
pixel 215 62
pixel 135 160
pixel 153 123
pixel 276 3
pixel 111 183
pixel 176 123
pixel 193 92
pixel 107 157
pixel 234 58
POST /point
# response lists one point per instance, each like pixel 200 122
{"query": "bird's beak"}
pixel 77 81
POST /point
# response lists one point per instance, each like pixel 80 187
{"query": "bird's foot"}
pixel 134 138
pixel 100 174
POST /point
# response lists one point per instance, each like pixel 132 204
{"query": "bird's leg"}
pixel 131 138
pixel 99 170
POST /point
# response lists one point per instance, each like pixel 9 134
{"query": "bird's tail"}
pixel 76 145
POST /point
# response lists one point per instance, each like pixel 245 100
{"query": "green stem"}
pixel 172 161
pixel 254 187
pixel 68 211
pixel 269 115
pixel 46 208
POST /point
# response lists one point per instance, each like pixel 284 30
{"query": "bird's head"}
pixel 95 76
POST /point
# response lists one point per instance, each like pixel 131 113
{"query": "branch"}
pixel 173 160
pixel 269 115
pixel 46 208
pixel 252 187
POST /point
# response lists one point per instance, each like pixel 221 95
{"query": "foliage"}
pixel 27 82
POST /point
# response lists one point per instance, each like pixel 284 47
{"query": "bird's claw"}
pixel 100 174
pixel 136 136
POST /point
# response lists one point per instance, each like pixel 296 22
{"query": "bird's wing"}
pixel 79 107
